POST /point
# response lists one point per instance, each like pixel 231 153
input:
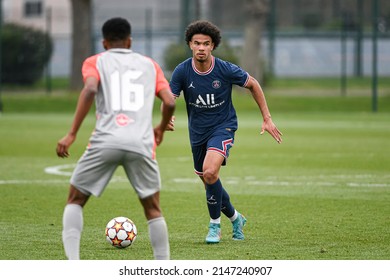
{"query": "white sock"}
pixel 71 233
pixel 158 233
pixel 215 221
pixel 234 217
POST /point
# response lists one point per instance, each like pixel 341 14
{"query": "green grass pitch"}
pixel 322 194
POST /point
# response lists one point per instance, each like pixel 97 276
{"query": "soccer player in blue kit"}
pixel 206 82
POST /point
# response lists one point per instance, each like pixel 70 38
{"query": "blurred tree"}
pixel 81 39
pixel 25 53
pixel 255 11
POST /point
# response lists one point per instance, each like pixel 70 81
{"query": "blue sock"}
pixel 214 199
pixel 227 207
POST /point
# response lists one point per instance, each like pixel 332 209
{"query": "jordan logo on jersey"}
pixel 191 85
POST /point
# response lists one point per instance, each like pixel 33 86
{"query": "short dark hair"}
pixel 116 29
pixel 206 28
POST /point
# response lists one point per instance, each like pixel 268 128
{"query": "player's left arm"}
pixel 163 91
pixel 258 95
pixel 176 87
pixel 167 109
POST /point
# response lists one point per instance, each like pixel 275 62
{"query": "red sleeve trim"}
pixel 89 68
pixel 161 81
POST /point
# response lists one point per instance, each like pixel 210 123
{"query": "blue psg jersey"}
pixel 208 96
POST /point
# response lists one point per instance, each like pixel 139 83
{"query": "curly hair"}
pixel 203 27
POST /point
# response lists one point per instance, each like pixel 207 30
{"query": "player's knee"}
pixel 210 176
pixel 152 213
pixel 77 197
pixel 151 206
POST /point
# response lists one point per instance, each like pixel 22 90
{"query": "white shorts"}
pixel 96 167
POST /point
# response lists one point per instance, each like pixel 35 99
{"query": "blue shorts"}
pixel 220 141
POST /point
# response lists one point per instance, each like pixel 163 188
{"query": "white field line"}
pixel 239 181
pixel 26 182
pixel 325 180
pixel 59 169
pixel 52 181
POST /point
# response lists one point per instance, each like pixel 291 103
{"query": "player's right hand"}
pixel 64 144
pixel 171 124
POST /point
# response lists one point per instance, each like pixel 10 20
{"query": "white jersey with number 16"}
pixel 129 83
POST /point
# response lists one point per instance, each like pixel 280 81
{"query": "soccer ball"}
pixel 121 232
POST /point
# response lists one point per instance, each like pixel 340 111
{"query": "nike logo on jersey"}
pixel 191 85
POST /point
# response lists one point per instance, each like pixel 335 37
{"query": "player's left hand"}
pixel 271 128
pixel 158 135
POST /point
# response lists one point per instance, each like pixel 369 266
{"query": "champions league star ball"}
pixel 121 232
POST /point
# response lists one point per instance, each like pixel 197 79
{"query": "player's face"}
pixel 201 46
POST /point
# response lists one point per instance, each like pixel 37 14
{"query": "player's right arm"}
pixel 84 104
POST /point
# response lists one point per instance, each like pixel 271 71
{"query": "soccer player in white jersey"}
pixel 206 83
pixel 124 85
